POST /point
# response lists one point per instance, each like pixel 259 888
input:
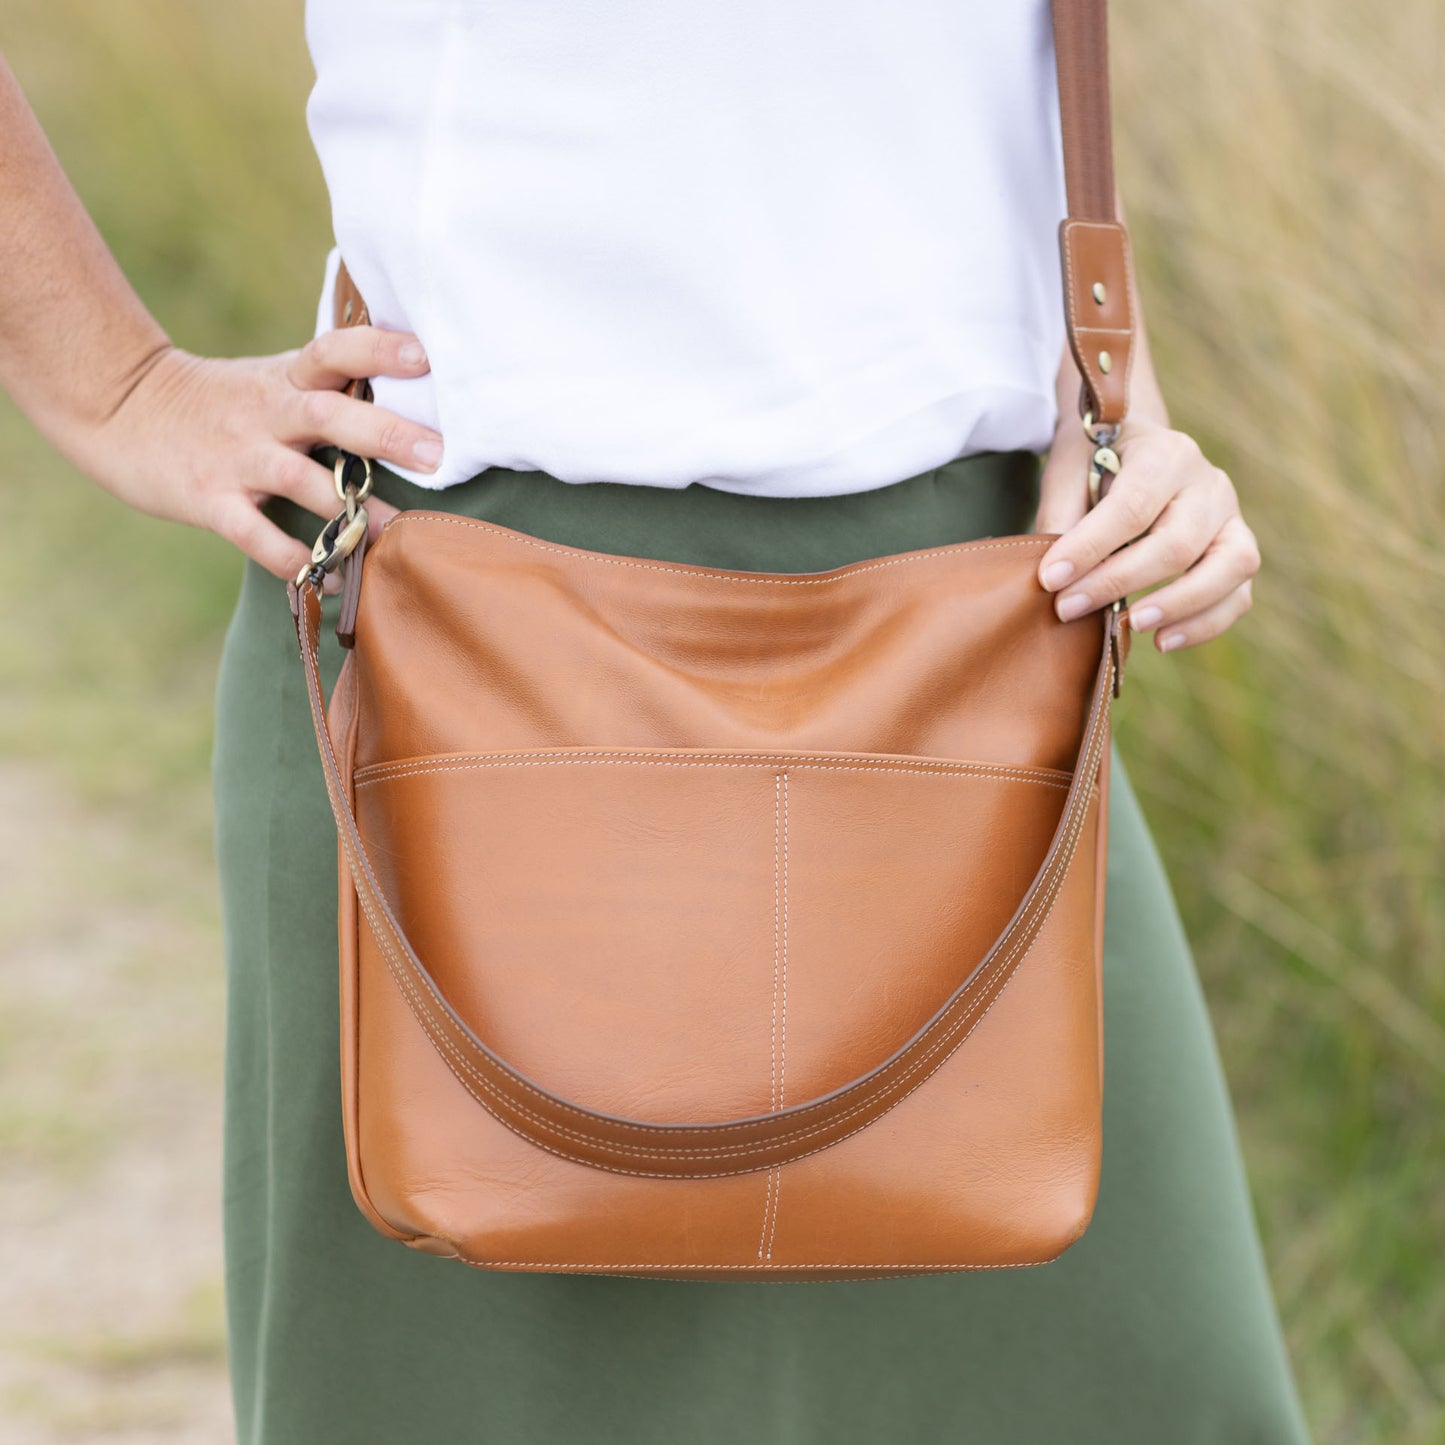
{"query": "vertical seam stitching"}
pixel 773 1023
pixel 781 991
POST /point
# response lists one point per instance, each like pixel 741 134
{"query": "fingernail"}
pixel 1168 644
pixel 1056 574
pixel 1144 617
pixel 331 583
pixel 1074 605
pixel 428 453
pixel 413 353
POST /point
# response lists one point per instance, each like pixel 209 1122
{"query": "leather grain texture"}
pixel 717 921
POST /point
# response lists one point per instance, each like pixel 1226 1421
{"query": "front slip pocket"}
pixel 692 935
pixel 688 936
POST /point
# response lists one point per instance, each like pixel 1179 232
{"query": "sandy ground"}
pixel 111 996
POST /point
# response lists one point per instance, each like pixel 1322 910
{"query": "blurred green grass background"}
pixel 1284 173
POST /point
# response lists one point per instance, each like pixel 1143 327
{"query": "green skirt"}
pixel 1158 1326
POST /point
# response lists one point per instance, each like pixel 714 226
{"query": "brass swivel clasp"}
pixel 1105 462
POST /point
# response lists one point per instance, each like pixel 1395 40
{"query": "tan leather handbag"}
pixel 724 924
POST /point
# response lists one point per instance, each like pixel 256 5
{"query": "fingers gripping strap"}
pixel 731 1146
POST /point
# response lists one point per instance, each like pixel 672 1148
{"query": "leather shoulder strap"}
pixel 1093 245
pixel 1081 54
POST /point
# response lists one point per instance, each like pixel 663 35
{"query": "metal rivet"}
pixel 1106 362
pixel 1100 295
pixel 346 314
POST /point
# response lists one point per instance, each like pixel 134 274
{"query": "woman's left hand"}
pixel 1169 514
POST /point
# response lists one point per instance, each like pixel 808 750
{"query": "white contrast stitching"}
pixel 382 772
pixel 941 1042
pixel 773 1019
pixel 1129 304
pixel 388 949
pixel 674 1152
pixel 783 983
pixel 835 576
pixel 756 758
pixel 900 1271
pixel 781 1006
pixel 1095 378
pixel 555 1128
pixel 767 1211
pixel 550 1126
pixel 779 784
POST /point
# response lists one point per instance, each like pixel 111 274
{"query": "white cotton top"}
pixel 784 247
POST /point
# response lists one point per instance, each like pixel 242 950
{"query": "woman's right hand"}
pixel 206 440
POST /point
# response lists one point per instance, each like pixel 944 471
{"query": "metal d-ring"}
pixel 344 461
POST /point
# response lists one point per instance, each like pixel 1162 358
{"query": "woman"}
pixel 765 287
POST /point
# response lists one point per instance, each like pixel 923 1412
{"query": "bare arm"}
pixel 74 336
pixel 1170 514
pixel 196 439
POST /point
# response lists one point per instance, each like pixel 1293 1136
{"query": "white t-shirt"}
pixel 785 247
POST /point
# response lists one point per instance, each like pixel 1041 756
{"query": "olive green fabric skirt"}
pixel 1158 1326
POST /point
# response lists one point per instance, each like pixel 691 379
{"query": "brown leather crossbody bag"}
pixel 721 924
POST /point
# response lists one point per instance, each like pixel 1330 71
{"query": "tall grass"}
pixel 1284 172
